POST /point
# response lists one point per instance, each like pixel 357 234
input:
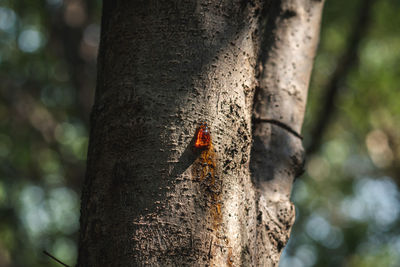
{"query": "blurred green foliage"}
pixel 348 203
pixel 47 72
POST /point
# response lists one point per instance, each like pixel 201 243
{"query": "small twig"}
pixel 280 124
pixel 54 258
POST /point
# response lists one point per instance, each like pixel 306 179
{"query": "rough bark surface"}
pixel 279 106
pixel 150 198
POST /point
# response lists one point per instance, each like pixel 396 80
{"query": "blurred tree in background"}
pixel 348 202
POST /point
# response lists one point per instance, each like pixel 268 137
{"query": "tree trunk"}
pixel 150 197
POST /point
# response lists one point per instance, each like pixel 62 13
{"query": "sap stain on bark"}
pixel 204 170
pixel 205 173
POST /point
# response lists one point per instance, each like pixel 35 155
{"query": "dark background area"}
pixel 347 202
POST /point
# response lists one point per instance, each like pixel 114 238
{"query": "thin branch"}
pixel 55 259
pixel 348 61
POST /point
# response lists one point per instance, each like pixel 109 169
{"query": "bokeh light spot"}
pixel 7 19
pixel 378 147
pixel 30 40
pixel 64 206
pixel 33 213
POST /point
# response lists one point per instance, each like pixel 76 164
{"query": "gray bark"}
pixel 279 106
pixel 150 198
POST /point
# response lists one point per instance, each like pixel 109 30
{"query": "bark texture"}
pixel 150 198
pixel 279 107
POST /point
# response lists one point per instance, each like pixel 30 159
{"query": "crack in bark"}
pixel 280 124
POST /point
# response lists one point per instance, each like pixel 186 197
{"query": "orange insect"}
pixel 203 138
